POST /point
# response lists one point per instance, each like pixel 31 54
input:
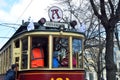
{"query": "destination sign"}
pixel 55 24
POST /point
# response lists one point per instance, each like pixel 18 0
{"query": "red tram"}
pixel 62 47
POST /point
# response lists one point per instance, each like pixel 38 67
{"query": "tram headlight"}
pixel 73 24
pixel 42 21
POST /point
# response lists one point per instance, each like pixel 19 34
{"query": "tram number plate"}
pixel 59 78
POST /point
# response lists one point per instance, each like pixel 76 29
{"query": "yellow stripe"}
pixel 49 73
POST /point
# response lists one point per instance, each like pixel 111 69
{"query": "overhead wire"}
pixel 8 25
pixel 2 41
pixel 19 17
pixel 24 11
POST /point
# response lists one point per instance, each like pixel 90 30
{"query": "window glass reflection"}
pixel 76 58
pixel 60 52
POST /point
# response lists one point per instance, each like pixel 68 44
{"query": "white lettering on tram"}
pixel 55 24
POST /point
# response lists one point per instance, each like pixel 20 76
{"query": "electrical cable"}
pixel 24 10
pixel 20 15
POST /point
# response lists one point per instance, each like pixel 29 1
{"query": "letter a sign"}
pixel 55 13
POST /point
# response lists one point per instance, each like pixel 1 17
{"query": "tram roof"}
pixel 46 27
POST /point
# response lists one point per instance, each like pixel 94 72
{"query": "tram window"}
pixel 16 59
pixel 60 52
pixel 24 44
pixel 24 53
pixel 10 55
pixel 39 52
pixel 17 44
pixel 0 63
pixel 24 60
pixel 76 45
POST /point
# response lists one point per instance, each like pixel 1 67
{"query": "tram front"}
pixel 52 52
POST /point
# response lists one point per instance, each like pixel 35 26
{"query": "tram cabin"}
pixel 50 51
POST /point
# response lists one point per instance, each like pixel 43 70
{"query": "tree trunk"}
pixel 98 74
pixel 109 56
pixel 99 68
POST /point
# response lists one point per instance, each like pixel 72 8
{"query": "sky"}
pixel 12 12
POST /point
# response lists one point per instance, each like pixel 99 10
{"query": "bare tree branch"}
pixel 118 8
pixel 112 8
pixel 95 9
pixel 118 11
pixel 102 7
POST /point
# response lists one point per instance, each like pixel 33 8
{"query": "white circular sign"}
pixel 55 13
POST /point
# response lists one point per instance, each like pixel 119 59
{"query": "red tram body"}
pixel 52 75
